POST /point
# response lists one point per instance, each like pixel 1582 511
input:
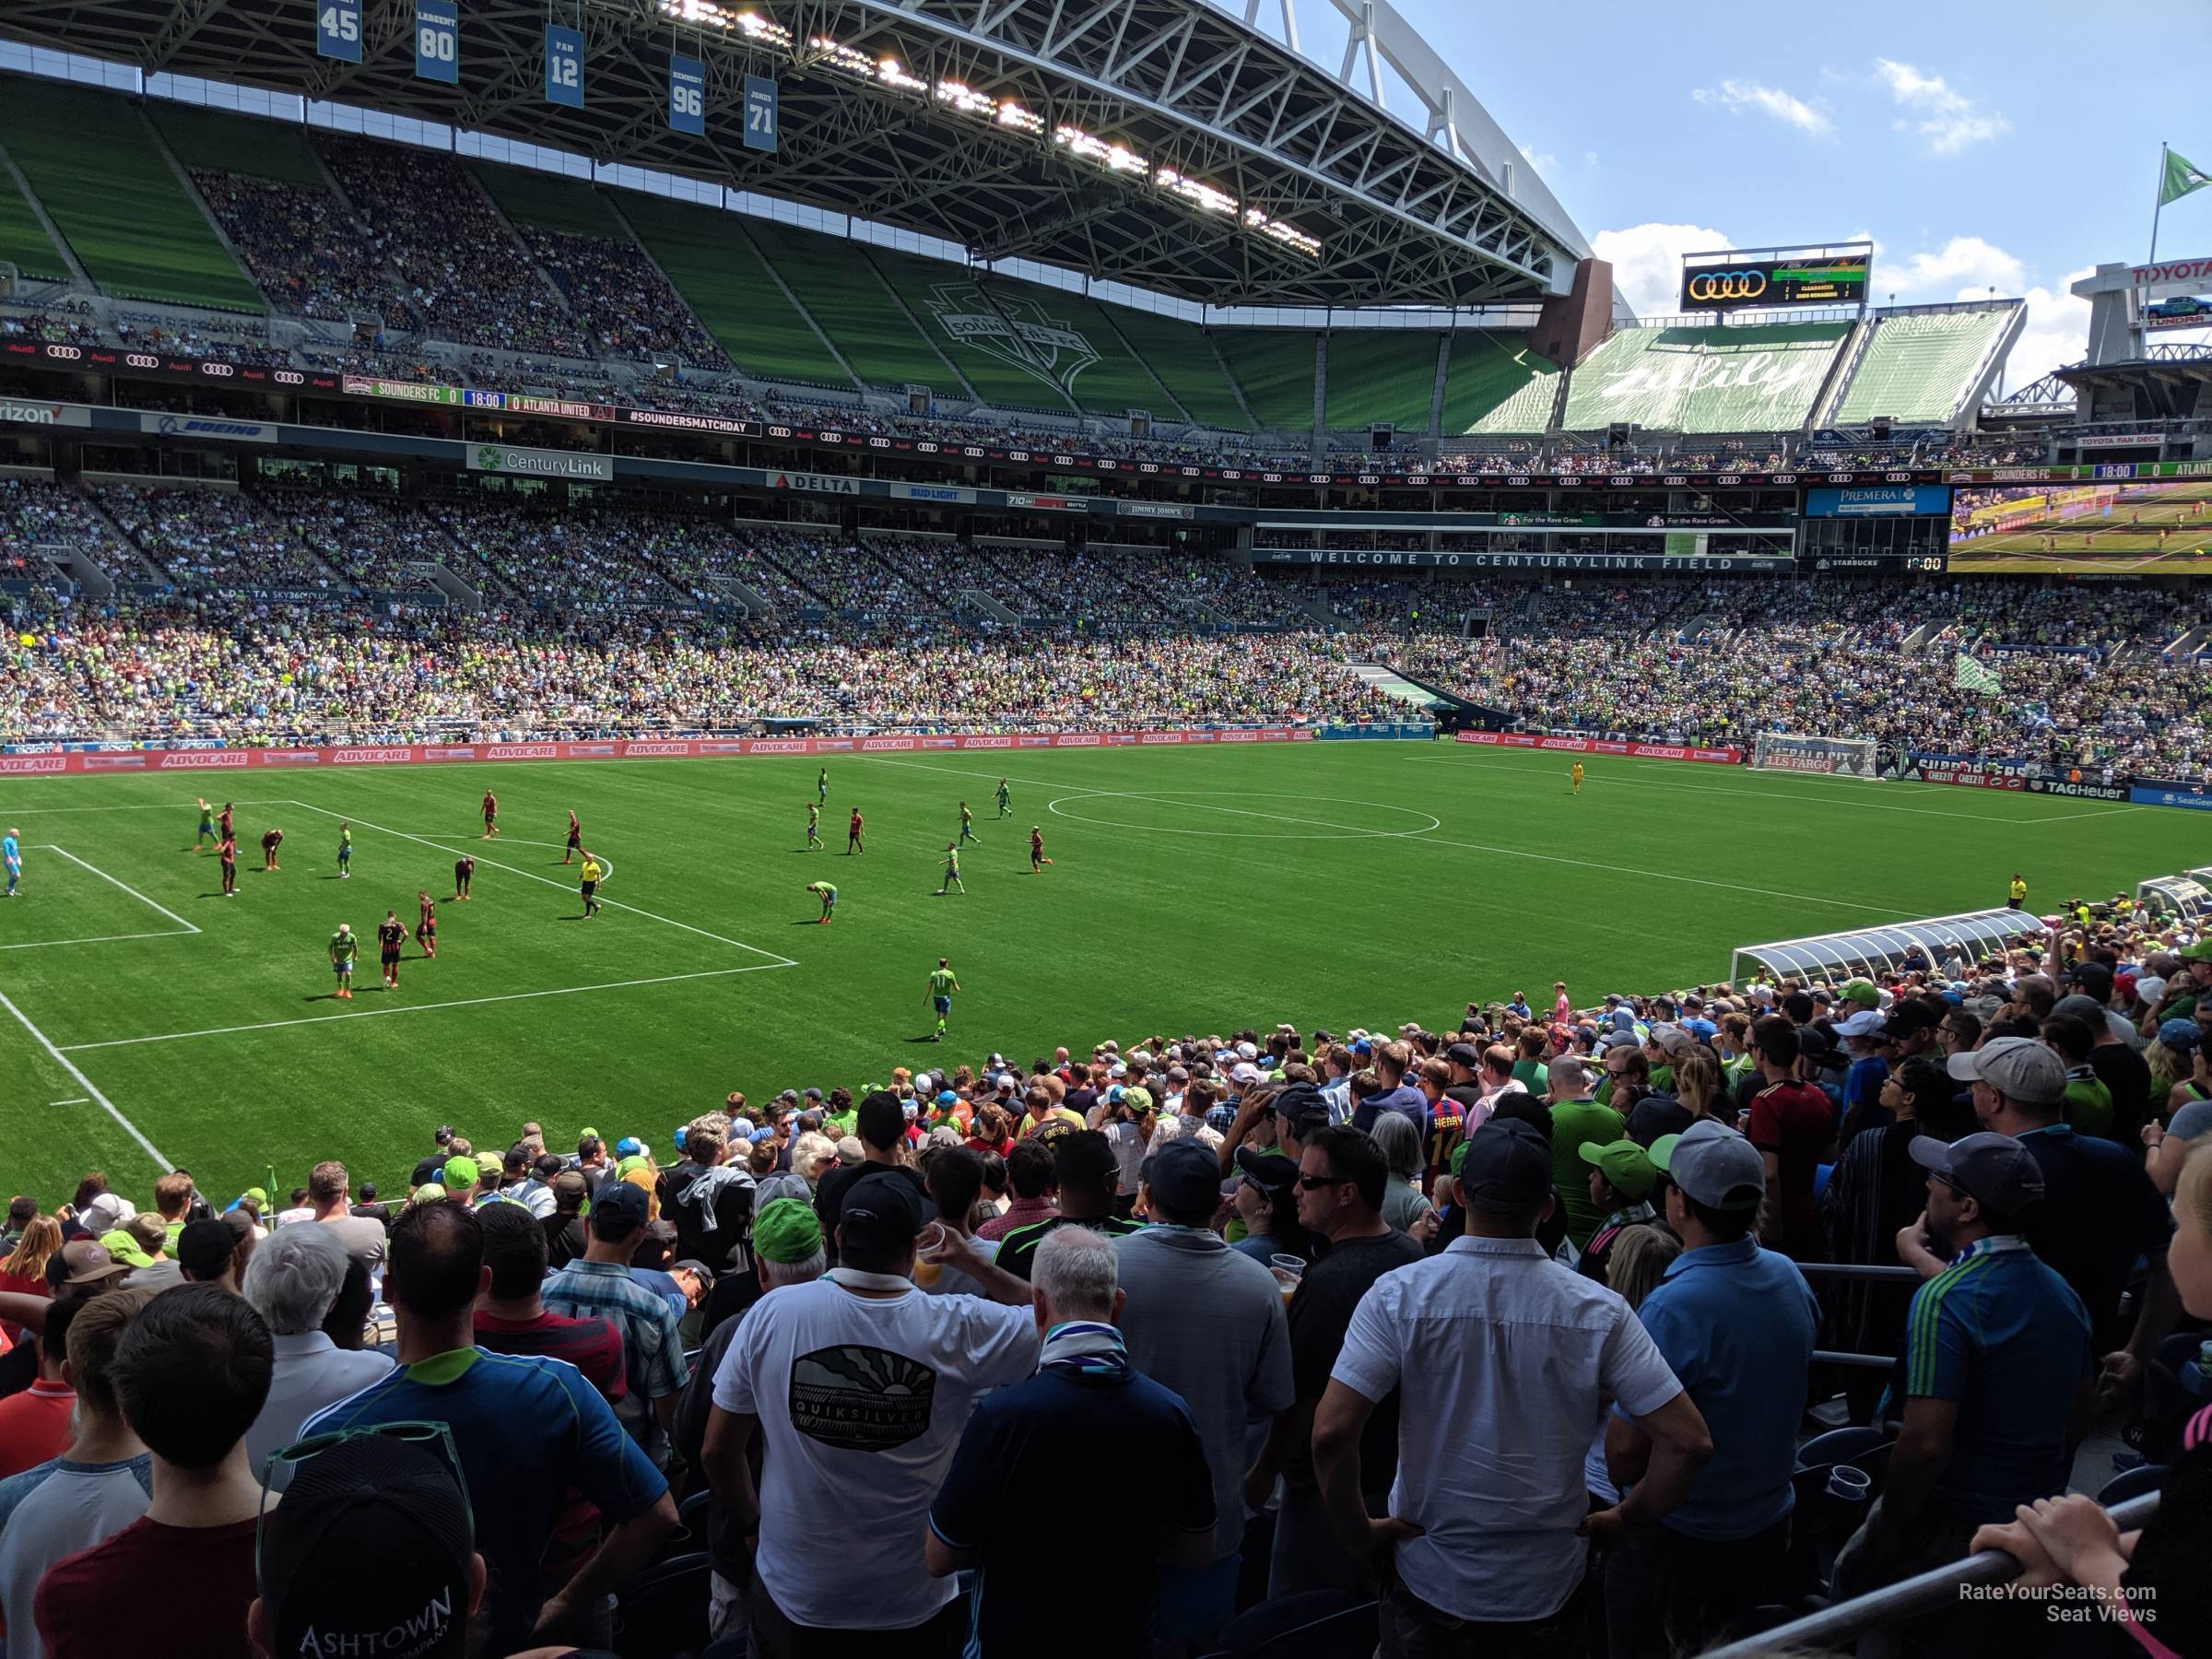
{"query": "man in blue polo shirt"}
pixel 527 1430
pixel 1737 1324
pixel 1998 1371
pixel 1009 1485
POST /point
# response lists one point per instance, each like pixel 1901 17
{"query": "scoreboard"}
pixel 1733 282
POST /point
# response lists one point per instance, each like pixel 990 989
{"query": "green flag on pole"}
pixel 2181 178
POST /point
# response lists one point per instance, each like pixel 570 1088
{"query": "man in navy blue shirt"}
pixel 2099 1212
pixel 1737 1323
pixel 1392 1061
pixel 1997 1365
pixel 1014 1479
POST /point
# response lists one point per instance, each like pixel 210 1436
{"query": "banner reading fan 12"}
pixel 1809 279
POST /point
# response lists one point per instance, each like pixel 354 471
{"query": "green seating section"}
pixel 834 281
pixel 546 202
pixel 1275 367
pixel 706 254
pixel 93 164
pixel 1918 367
pixel 1115 383
pixel 1381 374
pixel 23 241
pixel 1181 354
pixel 220 141
pixel 958 313
pixel 1761 378
pixel 1497 385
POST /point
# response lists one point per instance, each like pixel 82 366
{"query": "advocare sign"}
pixel 541 464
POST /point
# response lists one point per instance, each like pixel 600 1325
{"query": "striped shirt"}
pixel 653 1350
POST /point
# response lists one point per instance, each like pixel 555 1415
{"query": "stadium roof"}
pixel 900 113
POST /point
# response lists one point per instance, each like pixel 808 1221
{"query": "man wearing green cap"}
pixel 787 1250
pixel 459 1176
pixel 1621 1178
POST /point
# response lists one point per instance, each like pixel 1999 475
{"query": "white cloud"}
pixel 1966 267
pixel 2057 332
pixel 1544 161
pixel 1943 116
pixel 1647 262
pixel 1736 96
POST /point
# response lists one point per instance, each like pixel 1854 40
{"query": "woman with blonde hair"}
pixel 811 1154
pixel 25 1270
pixel 1699 1087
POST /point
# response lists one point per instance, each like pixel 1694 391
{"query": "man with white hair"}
pixel 1087 1406
pixel 291 1280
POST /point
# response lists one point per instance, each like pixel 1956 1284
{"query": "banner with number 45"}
pixel 338 30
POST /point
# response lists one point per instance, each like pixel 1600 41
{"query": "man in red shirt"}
pixel 853 841
pixel 34 1424
pixel 191 1374
pixel 1031 1177
pixel 1793 1124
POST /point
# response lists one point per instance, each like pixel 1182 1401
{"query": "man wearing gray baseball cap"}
pixel 1737 1324
pixel 1998 1366
pixel 2100 1211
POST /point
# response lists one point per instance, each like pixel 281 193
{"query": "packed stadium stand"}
pixel 1920 367
pixel 104 181
pixel 1753 377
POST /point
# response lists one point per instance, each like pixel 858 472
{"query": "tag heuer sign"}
pixel 540 464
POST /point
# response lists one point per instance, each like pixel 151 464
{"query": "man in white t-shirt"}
pixel 860 1386
pixel 99 1485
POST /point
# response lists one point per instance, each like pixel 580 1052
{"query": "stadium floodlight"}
pixel 706 14
pixel 1113 158
pixel 1197 193
pixel 1011 114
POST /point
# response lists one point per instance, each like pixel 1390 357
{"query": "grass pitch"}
pixel 149 1020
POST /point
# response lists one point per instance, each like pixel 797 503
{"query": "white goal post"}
pixel 1841 757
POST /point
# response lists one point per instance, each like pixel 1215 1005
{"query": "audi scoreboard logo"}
pixel 1724 287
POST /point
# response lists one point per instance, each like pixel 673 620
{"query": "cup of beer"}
pixel 1287 1271
pixel 927 1272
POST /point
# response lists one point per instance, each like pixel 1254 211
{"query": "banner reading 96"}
pixel 687 95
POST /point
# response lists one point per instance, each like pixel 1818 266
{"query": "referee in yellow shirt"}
pixel 591 874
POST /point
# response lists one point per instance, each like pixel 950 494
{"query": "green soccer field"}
pixel 1326 884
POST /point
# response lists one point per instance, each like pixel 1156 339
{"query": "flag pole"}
pixel 2159 208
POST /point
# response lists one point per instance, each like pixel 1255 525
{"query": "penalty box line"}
pixel 774 959
pixel 180 931
pixel 92 1089
pixel 463 1002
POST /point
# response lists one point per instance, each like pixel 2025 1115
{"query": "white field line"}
pixel 167 933
pixel 464 1002
pixel 91 1089
pixel 126 886
pixel 1776 794
pixel 774 959
pixel 138 806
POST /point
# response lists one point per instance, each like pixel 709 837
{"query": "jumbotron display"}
pixel 1732 282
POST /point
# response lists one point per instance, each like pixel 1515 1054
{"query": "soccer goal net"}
pixel 1788 751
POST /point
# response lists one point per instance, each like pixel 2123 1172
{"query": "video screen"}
pixel 2105 528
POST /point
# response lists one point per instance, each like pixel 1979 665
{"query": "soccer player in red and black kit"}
pixel 425 929
pixel 270 841
pixel 491 815
pixel 222 821
pixel 1037 858
pixel 464 869
pixel 227 850
pixel 575 836
pixel 390 934
pixel 852 842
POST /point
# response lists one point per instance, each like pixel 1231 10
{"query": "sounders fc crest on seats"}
pixel 1014 331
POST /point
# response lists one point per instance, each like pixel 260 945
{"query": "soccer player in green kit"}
pixel 814 828
pixel 952 870
pixel 345 950
pixel 1006 800
pixel 207 833
pixel 943 983
pixel 967 823
pixel 828 895
pixel 344 850
pixel 822 784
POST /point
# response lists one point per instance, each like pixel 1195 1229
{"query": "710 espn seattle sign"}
pixel 540 464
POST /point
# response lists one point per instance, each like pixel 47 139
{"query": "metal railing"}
pixel 1929 1592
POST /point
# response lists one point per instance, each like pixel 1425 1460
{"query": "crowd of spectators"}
pixel 575 560
pixel 1291 1276
pixel 462 270
pixel 305 252
pixel 216 540
pixel 627 305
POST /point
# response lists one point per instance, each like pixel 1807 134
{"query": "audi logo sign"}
pixel 221 371
pixel 1712 288
pixel 70 352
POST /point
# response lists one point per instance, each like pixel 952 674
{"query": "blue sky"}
pixel 1977 145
